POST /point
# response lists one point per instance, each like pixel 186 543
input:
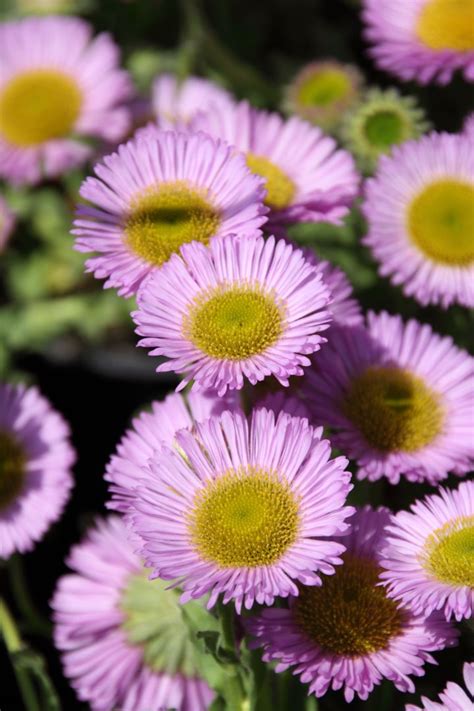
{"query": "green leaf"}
pixel 52 217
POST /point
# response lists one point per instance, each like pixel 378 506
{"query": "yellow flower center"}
pixel 280 188
pixel 449 552
pixel 349 614
pixel 393 409
pixel 245 518
pixel 324 87
pixel 234 322
pixel 12 469
pixel 163 218
pixel 156 621
pixel 447 24
pixel 38 106
pixel 441 222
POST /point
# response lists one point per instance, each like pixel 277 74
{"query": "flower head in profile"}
pixel 176 103
pixel 243 509
pixel 398 397
pixel 428 555
pixel 346 633
pixel 323 91
pixel 35 467
pixel 124 640
pixel 307 178
pixel 420 212
pixel 57 85
pixel 421 40
pixel 151 430
pixel 381 120
pixel 7 223
pixel 158 192
pixel 242 308
pixel 453 698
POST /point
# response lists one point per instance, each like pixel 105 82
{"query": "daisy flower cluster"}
pixel 302 503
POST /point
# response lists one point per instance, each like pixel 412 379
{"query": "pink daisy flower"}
pixel 347 633
pixel 454 697
pixel 399 398
pixel 244 509
pixel 428 555
pixel 308 179
pixel 7 223
pixel 57 84
pixel 241 308
pixel 421 40
pixel 35 467
pixel 281 401
pixel 421 223
pixel 177 103
pixel 343 307
pixel 149 432
pixel 124 641
pixel 160 191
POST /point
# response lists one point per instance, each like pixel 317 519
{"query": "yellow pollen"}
pixel 38 106
pixel 280 188
pixel 324 87
pixel 163 218
pixel 349 614
pixel 447 24
pixel 441 222
pixel 449 552
pixel 234 322
pixel 12 469
pixel 244 518
pixel 393 409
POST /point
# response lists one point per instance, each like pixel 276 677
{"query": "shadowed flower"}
pixel 57 85
pixel 347 633
pixel 399 398
pixel 323 91
pixel 343 307
pixel 243 508
pixel 428 555
pixel 124 640
pixel 241 308
pixel 421 40
pixel 420 212
pixel 176 103
pixel 308 179
pixel 35 467
pixel 158 192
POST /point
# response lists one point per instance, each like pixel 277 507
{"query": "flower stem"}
pixel 234 692
pixel 14 645
pixel 36 624
pixel 228 626
pixel 201 37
